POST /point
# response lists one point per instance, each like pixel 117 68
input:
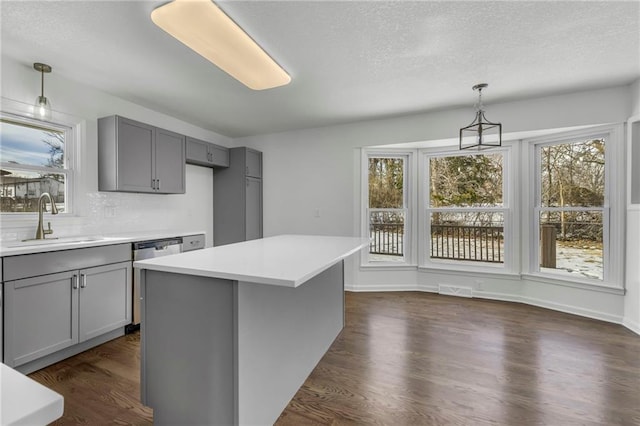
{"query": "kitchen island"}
pixel 230 333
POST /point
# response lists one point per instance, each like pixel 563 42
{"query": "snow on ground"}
pixel 583 261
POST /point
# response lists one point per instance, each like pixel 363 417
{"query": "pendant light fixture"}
pixel 42 106
pixel 481 133
pixel 204 28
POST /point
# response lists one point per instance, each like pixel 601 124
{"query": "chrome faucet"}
pixel 42 206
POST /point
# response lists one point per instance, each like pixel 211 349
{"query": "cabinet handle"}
pixel 158 185
pixel 153 184
pixel 83 280
pixel 74 282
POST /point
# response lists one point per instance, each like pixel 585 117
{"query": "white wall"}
pixel 103 212
pixel 318 169
pixel 632 298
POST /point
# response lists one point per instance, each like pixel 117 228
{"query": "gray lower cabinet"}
pixel 206 154
pixel 137 157
pixel 52 312
pixel 237 197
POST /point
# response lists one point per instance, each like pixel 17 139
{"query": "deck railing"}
pixel 472 243
pixel 387 238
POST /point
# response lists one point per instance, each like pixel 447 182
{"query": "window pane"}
pixel 571 243
pixel 466 181
pixel 473 236
pixel 20 190
pixel 31 145
pixel 386 229
pixel 573 174
pixel 386 183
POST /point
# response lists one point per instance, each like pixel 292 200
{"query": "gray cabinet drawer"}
pixel 193 242
pixel 33 265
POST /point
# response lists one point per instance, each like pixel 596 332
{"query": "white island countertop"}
pixel 23 401
pixel 283 260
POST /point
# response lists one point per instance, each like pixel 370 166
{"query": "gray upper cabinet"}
pixel 253 163
pixel 206 154
pixel 237 197
pixel 137 157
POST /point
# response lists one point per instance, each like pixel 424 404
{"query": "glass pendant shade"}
pixel 42 105
pixel 42 108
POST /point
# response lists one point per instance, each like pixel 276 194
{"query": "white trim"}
pixel 73 129
pixel 574 283
pixel 508 194
pixel 635 120
pixel 612 213
pixel 409 195
pixel 631 325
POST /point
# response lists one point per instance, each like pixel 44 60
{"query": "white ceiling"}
pixel 349 60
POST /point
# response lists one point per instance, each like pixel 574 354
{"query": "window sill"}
pixel 389 267
pixel 603 288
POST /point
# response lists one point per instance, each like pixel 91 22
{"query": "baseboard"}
pixel 389 287
pixel 505 297
pixel 631 325
pixel 588 313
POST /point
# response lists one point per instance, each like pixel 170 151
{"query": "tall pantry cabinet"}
pixel 237 191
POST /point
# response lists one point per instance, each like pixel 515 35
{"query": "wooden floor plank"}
pixel 415 359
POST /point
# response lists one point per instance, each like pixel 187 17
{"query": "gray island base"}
pixel 223 351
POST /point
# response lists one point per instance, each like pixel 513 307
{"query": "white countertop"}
pixel 24 401
pixel 284 260
pixel 12 248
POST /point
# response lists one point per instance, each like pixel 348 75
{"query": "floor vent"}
pixel 453 290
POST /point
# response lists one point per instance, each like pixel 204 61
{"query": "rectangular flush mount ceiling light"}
pixel 204 28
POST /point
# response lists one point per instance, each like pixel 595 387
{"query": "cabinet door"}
pixel 197 152
pixel 135 156
pixel 41 316
pixel 253 208
pixel 253 163
pixel 105 299
pixel 218 155
pixel 169 162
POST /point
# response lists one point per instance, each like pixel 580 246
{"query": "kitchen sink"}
pixel 65 240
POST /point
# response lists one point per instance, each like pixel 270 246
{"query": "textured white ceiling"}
pixel 349 60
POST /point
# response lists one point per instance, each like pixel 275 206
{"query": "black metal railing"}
pixel 456 242
pixel 474 243
pixel 387 238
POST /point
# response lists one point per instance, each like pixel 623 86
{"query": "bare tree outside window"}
pixel 387 212
pixel 572 194
pixel 466 208
pixel 32 161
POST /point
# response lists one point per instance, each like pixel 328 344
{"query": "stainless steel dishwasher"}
pixel 149 250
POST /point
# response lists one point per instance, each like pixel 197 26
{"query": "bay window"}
pixel 387 211
pixel 575 201
pixel 465 209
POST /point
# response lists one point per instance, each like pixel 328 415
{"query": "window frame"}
pixel 612 211
pixel 69 169
pixel 510 220
pixel 409 196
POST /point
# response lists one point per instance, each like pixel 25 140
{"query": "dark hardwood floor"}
pixel 415 359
